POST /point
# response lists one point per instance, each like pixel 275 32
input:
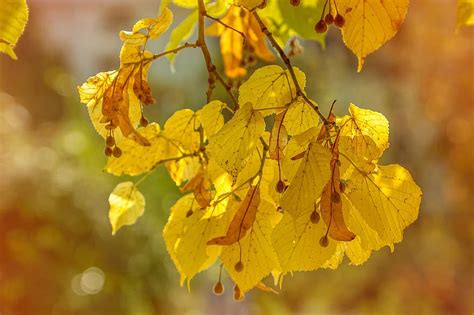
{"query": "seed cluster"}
pixel 328 19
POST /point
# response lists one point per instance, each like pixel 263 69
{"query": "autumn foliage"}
pixel 278 186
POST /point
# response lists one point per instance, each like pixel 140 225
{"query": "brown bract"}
pixel 242 221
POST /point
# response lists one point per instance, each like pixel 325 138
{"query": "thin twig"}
pixel 225 25
pixel 175 50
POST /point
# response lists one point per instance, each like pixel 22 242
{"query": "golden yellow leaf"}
pixel 270 88
pixel 176 223
pixel 369 24
pixel 184 169
pixel 300 117
pixel 367 239
pixel 182 129
pixel 250 4
pixel 307 184
pixel 155 26
pixel 196 227
pixel 13 18
pixel 232 146
pixel 465 13
pixel 211 117
pixel 254 253
pixel 253 164
pixel 181 33
pixel 296 241
pixel 364 135
pixel 387 199
pixel 127 204
pixel 295 151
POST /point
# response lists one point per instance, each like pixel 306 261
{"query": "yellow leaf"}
pixel 270 88
pixel 176 223
pixel 137 159
pixel 307 184
pixel 465 13
pixel 296 147
pixel 181 33
pixel 253 163
pixel 13 18
pixel 127 204
pixel 154 27
pixel 182 129
pixel 364 135
pixel 300 117
pixel 387 199
pixel 211 117
pixel 369 24
pixel 232 146
pixel 367 239
pixel 190 231
pixel 296 241
pixel 250 4
pixel 184 169
pixel 254 252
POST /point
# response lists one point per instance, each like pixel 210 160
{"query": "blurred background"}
pixel 57 254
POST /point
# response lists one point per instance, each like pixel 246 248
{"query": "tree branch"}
pixel 211 69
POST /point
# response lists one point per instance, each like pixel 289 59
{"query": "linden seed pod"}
pixel 238 294
pixel 117 152
pixel 239 266
pixel 280 186
pixel 295 3
pixel 321 27
pixel 335 197
pixel 218 288
pixel 251 60
pixel 108 151
pixel 329 19
pixel 339 20
pixel 324 241
pixel 110 141
pixel 315 217
pixel 143 122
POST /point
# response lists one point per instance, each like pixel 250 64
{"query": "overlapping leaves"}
pixel 299 197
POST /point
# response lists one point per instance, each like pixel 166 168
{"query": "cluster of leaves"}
pixel 257 185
